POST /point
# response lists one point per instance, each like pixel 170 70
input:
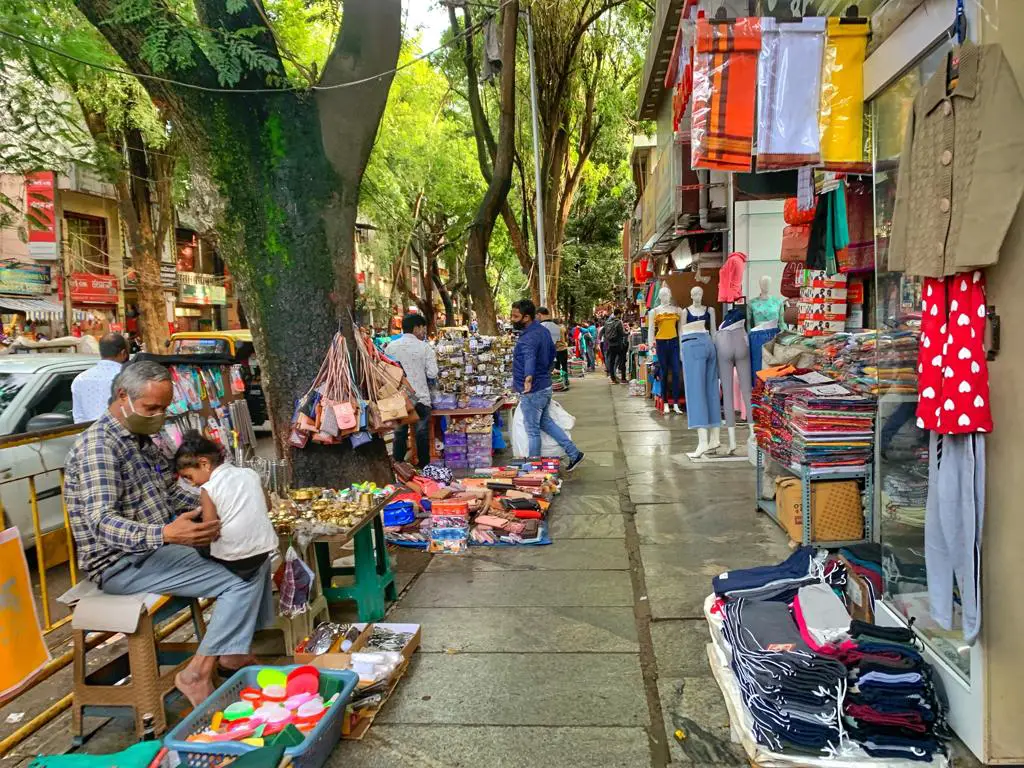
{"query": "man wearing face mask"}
pixel 136 529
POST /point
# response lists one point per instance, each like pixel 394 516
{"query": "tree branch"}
pixel 486 146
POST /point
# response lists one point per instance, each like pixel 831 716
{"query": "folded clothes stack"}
pixel 813 679
pixel 792 693
pixel 892 708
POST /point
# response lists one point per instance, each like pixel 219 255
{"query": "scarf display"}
pixel 724 88
pixel 842 96
pixel 789 93
pixel 859 255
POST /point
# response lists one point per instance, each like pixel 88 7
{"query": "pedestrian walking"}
pixel 531 378
pixel 558 336
pixel 618 343
pixel 591 333
pixel 419 362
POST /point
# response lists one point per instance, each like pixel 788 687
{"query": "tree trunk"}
pixel 288 166
pixel 501 180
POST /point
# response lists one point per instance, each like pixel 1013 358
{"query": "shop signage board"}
pixel 42 215
pixel 92 289
pixel 25 280
pixel 202 295
pixel 168 277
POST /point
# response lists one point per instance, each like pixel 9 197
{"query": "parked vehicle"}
pixel 237 347
pixel 35 395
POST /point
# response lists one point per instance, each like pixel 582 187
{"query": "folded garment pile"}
pixel 812 678
pixel 832 426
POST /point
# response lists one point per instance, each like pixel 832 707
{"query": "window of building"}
pixel 85 238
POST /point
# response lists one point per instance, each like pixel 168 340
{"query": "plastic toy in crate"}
pixel 300 706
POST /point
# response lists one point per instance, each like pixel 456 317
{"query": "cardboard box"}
pixel 836 510
pixel 356 728
pixel 335 658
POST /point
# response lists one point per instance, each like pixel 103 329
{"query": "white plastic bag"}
pixel 548 447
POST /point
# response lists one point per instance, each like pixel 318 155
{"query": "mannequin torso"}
pixel 664 321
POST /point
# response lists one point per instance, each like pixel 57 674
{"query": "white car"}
pixel 35 394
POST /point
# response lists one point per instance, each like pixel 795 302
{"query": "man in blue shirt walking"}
pixel 531 378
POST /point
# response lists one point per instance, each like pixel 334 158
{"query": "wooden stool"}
pixel 374 580
pixel 98 693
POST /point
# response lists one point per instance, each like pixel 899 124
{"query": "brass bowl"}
pixel 305 494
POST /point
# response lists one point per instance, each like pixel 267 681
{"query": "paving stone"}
pixel 434 746
pixel 520 588
pixel 586 504
pixel 695 706
pixel 680 647
pixel 563 527
pixel 523 630
pixel 569 555
pixel 521 689
pixel 704 519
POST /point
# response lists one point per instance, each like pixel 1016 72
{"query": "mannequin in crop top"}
pixel 664 327
pixel 765 311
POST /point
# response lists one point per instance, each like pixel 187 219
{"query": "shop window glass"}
pixel 85 237
pixel 903 448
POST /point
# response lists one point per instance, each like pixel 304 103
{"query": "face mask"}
pixel 138 424
pixel 518 324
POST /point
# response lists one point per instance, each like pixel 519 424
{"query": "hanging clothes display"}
pixel 730 277
pixel 700 372
pixel 961 175
pixel 859 255
pixel 829 232
pixel 724 89
pixel 952 382
pixel 842 95
pixel 789 93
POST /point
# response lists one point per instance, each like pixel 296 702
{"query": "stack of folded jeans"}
pixel 793 694
pixel 770 582
pixel 891 707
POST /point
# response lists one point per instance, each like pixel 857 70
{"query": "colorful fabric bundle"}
pixel 842 96
pixel 789 93
pixel 724 85
pixel 830 232
pixel 859 255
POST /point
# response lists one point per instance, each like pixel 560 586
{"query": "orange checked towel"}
pixel 724 87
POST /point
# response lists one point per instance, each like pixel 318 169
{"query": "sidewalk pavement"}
pixel 589 652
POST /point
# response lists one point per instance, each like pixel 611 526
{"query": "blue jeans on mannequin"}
pixel 669 357
pixel 535 416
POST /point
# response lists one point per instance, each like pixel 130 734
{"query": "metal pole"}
pixel 63 255
pixel 542 272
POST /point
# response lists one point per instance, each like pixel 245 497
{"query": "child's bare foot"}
pixel 194 687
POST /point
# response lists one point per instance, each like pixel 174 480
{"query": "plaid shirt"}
pixel 120 493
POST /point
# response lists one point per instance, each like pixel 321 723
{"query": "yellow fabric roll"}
pixel 842 94
pixel 666 325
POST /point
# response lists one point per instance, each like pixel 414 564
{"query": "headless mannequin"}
pixel 701 320
pixel 762 310
pixel 663 337
pixel 734 355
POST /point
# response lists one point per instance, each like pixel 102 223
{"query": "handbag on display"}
pixel 795 238
pixel 388 402
pixel 792 277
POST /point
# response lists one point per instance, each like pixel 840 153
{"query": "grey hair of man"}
pixel 134 378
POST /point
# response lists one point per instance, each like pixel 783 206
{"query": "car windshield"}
pixel 10 385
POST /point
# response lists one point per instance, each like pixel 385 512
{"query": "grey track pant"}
pixel 242 606
pixel 952 532
pixel 733 353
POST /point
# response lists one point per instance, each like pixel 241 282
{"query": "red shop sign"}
pixel 41 214
pixel 92 289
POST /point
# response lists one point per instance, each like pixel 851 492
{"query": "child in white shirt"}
pixel 235 496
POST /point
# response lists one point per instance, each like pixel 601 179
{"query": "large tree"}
pixel 286 147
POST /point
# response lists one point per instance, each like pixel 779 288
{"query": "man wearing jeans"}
pixel 531 378
pixel 419 362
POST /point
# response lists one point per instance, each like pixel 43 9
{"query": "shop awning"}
pixel 37 309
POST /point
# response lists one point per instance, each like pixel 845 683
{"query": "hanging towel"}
pixel 789 93
pixel 490 67
pixel 842 96
pixel 724 88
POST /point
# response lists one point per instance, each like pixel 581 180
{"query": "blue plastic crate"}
pixel 313 752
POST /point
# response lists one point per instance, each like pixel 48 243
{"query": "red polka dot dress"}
pixel 952 381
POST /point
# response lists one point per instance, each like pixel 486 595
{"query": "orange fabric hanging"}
pixel 724 88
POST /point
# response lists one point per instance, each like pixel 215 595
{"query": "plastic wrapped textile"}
pixel 842 96
pixel 548 446
pixel 794 242
pixel 296 581
pixel 724 90
pixel 794 215
pixel 789 93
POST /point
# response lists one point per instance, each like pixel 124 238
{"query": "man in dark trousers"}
pixel 618 343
